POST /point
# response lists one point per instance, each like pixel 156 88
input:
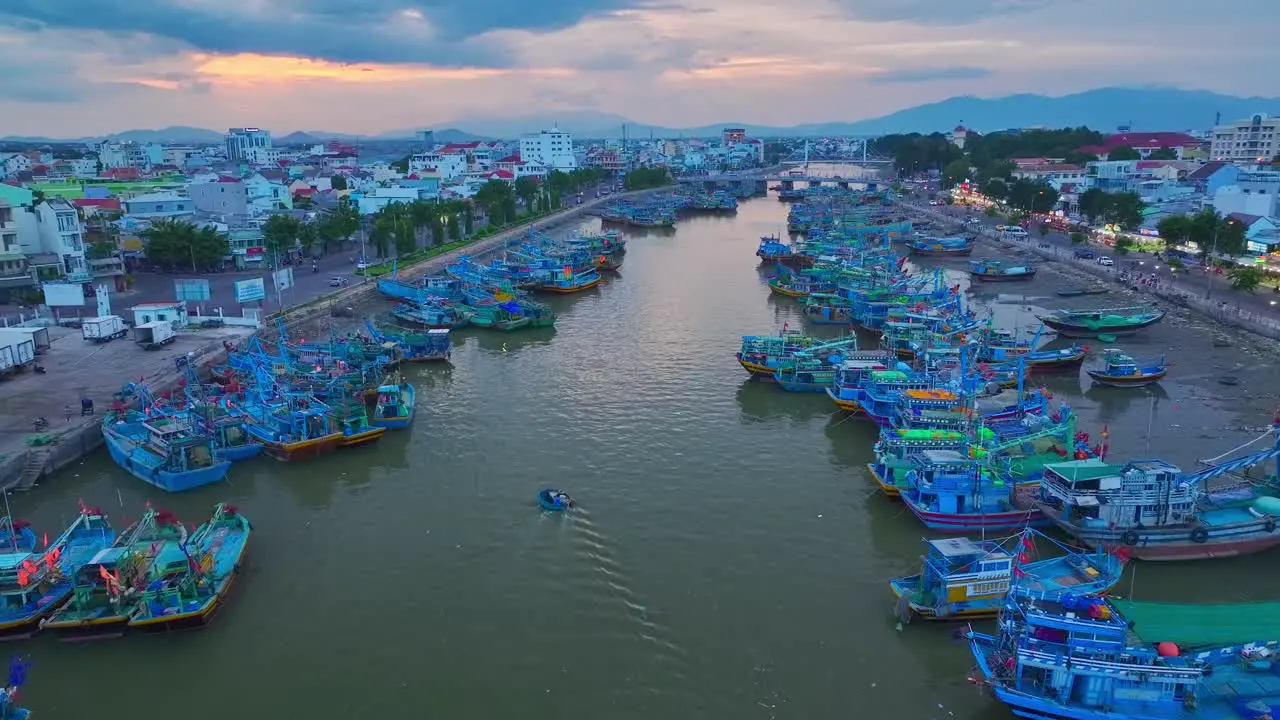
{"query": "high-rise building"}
pixel 550 148
pixel 1254 139
pixel 242 141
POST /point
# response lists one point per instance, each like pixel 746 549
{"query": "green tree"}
pixel 174 244
pixel 991 211
pixel 280 234
pixel 468 217
pixel 1078 238
pixel 1123 244
pixel 308 237
pixel 455 233
pixel 1124 152
pixel 497 198
pixel 401 165
pixel 337 224
pixel 100 250
pixel 1174 230
pixel 1078 157
pixel 526 188
pixel 1217 234
pixel 997 169
pixel 1031 196
pixel 1245 278
pixel 996 189
pixel 1163 154
pixel 1044 229
pixel 956 172
pixel 1092 203
pixel 338 182
pixel 645 178
pixel 1124 209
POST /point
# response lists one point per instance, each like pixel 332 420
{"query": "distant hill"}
pixel 1103 109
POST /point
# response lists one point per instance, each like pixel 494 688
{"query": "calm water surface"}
pixel 728 561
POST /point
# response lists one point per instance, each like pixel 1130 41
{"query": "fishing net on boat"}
pixel 1191 626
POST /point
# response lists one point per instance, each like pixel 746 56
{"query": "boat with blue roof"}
pixel 394 406
pixel 1072 657
pixel 996 271
pixel 1118 369
pixel 941 247
pixel 434 345
pixel 161 451
pixel 34 583
pixel 962 579
pixel 950 491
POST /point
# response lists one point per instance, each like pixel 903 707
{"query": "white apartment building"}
pixel 550 148
pixel 264 155
pixel 242 141
pixel 61 234
pixel 1254 193
pixel 13 164
pixel 116 154
pixel 1254 139
pixel 447 166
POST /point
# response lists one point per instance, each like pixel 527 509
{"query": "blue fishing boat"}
pixel 995 271
pixel 762 355
pixel 963 579
pixel 162 452
pixel 881 392
pixel 554 500
pixel 105 588
pixel 291 426
pixel 432 346
pixel 394 407
pixel 1120 370
pixel 850 376
pixel 828 309
pixel 1092 658
pixel 34 583
pixel 807 374
pixel 17 535
pixel 433 313
pixel 949 246
pixel 194 577
pixel 231 439
pixel 566 280
pixel 950 491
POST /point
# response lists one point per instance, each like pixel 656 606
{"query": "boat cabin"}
pixel 950 482
pixel 931 409
pixel 967 570
pixel 1143 493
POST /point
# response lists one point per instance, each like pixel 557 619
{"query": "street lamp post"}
pixel 1213 249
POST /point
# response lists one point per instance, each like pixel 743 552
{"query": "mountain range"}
pixel 1104 109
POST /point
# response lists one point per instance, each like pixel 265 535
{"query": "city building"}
pixel 1254 139
pixel 550 148
pixel 226 196
pixel 13 163
pixel 448 166
pixel 266 195
pixel 117 154
pixel 959 136
pixel 159 206
pixel 242 141
pixel 1254 193
pixel 1145 143
pixel 61 234
pixel 1212 176
pixel 733 136
pixel 1056 175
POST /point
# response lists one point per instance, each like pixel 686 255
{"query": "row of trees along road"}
pixel 1207 229
pixel 1121 209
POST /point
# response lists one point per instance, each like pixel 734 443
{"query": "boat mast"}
pixel 13 532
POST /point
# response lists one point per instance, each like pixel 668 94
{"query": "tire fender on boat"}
pixel 1199 535
pixel 1270 525
pixel 1129 538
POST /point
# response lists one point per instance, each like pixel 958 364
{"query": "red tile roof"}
pixel 1152 140
pixel 1206 171
pixel 500 175
pixel 512 158
pixel 1244 218
pixel 122 173
pixel 228 179
pixel 1050 167
pixel 100 203
pixel 304 192
pixel 453 148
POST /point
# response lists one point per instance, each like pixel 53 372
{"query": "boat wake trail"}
pixel 615 606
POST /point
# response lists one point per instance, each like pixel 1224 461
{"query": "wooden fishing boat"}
pixel 433 315
pixel 432 346
pixel 846 386
pixel 394 408
pixel 554 500
pixel 828 309
pixel 108 585
pixel 289 427
pixel 952 492
pixel 1056 359
pixel 1159 512
pixel 761 355
pixel 610 262
pixel 195 576
pixel 806 375
pixel 356 428
pixel 34 583
pixel 1096 658
pixel 1077 292
pixel 962 579
pixel 567 281
pixel 995 271
pixel 1107 321
pixel 941 247
pixel 162 451
pixel 1120 370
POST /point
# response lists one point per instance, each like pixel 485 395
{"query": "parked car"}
pixel 1106 261
pixel 1085 254
pixel 337 282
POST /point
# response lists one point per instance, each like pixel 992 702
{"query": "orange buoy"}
pixel 1167 649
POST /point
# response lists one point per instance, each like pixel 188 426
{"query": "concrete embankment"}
pixel 1222 313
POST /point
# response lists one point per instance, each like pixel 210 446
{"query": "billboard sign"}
pixel 194 290
pixel 250 290
pixel 62 294
pixel 283 278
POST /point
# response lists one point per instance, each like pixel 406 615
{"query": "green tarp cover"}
pixel 1193 626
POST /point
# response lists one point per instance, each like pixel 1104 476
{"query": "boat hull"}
pixel 304 449
pixel 1072 330
pixel 957 252
pixel 886 487
pixel 985 608
pixel 850 406
pixel 1063 361
pixel 101 628
pixel 787 292
pixel 568 289
pixel 167 481
pixel 757 371
pixel 1175 544
pixel 1127 380
pixel 1002 277
pixel 364 437
pixel 239 452
pixel 961 523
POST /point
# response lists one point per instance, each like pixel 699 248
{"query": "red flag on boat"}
pixel 46 539
pixel 785 325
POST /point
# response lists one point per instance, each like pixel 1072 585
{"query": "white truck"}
pixel 103 329
pixel 154 334
pixel 15 354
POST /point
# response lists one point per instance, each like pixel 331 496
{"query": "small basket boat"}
pixel 554 500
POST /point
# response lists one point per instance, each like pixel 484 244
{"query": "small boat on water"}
pixel 353 418
pixel 953 492
pixel 33 584
pixel 1077 292
pixel 432 346
pixel 1094 658
pixel 554 500
pixel 290 426
pixel 1104 321
pixel 950 246
pixel 394 407
pixel 567 281
pixel 995 271
pixel 807 374
pixel 762 355
pixel 196 576
pixel 963 579
pixel 432 315
pixel 828 309
pixel 1120 370
pixel 161 451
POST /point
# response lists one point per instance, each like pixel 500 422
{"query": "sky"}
pixel 74 68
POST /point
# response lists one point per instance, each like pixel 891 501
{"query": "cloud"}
pixel 924 75
pixel 937 12
pixel 438 32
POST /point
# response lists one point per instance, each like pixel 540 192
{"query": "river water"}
pixel 729 558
